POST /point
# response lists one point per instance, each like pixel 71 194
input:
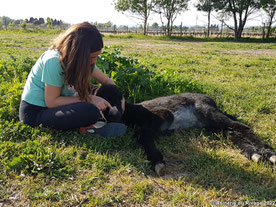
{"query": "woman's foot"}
pixel 111 129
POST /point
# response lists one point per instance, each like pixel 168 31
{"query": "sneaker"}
pixel 103 129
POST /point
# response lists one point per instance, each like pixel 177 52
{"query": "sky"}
pixel 76 11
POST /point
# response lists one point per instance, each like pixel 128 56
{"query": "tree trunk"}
pixel 209 20
pixel 221 30
pixel 239 27
pixel 268 31
pixel 145 17
pixel 270 24
pixel 263 32
pixel 239 33
pixel 168 27
pixel 235 26
pixel 145 26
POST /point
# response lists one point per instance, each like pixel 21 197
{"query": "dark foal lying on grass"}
pixel 164 115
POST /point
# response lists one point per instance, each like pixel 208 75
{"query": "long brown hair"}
pixel 74 47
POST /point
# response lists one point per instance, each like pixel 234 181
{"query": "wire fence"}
pixel 194 32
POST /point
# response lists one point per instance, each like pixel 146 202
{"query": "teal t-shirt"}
pixel 47 69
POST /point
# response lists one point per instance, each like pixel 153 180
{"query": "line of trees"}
pixel 49 22
pixel 237 10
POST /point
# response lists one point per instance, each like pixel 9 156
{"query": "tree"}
pixel 31 20
pixel 11 25
pixel 222 17
pixel 41 20
pixel 6 21
pixel 36 22
pixel 140 8
pixel 240 10
pixel 206 6
pixel 17 21
pixel 170 9
pixel 23 24
pixel 155 25
pixel 49 22
pixel 269 6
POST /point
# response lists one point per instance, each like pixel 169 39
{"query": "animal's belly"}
pixel 184 118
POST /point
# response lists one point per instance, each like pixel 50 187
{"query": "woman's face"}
pixel 93 56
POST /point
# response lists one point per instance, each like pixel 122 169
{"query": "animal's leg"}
pixel 167 118
pixel 214 119
pixel 250 145
pixel 146 137
pixel 149 126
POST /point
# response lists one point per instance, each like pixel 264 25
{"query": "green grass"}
pixel 41 167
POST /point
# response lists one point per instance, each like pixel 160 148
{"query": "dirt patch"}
pixel 259 52
pixel 175 169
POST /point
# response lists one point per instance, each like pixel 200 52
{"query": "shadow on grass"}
pixel 206 169
pixel 210 169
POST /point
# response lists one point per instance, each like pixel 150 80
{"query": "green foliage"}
pixel 137 81
pixel 49 23
pixel 6 20
pixel 140 8
pixel 141 192
pixel 23 25
pixel 170 9
pixel 13 73
pixel 33 158
pixel 240 10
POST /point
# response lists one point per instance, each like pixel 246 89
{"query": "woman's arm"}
pixel 53 98
pixel 100 77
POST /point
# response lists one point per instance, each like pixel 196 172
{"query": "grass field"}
pixel 41 167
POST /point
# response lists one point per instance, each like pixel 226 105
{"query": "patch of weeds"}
pixel 93 181
pixel 32 158
pixel 265 107
pixel 136 159
pixel 17 131
pixel 141 192
pixel 188 195
pixel 102 162
pixel 138 82
pixel 36 193
pixel 98 201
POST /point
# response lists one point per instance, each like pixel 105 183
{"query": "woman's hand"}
pixel 99 102
pixel 123 104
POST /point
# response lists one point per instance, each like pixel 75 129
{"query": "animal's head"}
pixel 112 94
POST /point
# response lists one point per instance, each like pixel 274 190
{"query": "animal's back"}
pixel 173 102
pixel 182 107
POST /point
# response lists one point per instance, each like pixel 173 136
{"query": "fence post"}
pixel 114 29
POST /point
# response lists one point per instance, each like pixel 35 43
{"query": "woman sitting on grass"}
pixel 57 93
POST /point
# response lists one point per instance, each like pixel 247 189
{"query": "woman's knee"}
pixel 90 112
pixel 69 116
